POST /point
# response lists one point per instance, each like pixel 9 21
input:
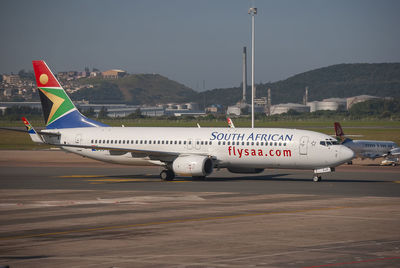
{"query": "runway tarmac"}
pixel 61 210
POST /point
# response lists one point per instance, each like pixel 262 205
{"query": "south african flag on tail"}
pixel 58 109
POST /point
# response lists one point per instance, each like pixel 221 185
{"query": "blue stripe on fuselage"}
pixel 73 120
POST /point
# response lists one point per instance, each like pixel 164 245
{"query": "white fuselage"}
pixel 229 147
pixel 370 148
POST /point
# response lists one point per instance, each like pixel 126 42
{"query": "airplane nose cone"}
pixel 346 154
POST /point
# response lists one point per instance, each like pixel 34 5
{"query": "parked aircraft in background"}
pixel 367 148
pixel 181 151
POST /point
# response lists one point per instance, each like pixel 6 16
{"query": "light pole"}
pixel 252 12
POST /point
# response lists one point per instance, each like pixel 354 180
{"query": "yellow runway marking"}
pixel 171 222
pixel 82 176
pixel 396 181
pixel 103 179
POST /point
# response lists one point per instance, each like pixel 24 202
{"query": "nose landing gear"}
pixel 317 178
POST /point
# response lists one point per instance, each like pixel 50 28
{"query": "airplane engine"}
pixel 245 170
pixel 193 165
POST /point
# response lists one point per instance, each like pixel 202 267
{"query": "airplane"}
pixel 194 152
pixel 367 148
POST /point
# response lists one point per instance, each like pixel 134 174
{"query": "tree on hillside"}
pixel 103 113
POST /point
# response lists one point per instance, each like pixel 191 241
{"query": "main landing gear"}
pixel 167 175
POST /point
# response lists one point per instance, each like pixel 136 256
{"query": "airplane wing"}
pixel 371 155
pixel 395 151
pixel 153 155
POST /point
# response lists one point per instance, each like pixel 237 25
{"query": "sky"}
pixel 198 43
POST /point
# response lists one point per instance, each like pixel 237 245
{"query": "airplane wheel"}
pixel 167 175
pixel 317 178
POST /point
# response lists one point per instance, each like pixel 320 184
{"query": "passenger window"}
pixel 257 143
pixel 91 141
pixel 166 142
pixel 280 144
pixel 322 143
pixel 228 143
pixel 175 142
pixel 223 143
pixel 242 142
pixel 180 142
pixel 210 142
pixel 252 143
pixel 111 141
pixel 145 141
pixel 219 143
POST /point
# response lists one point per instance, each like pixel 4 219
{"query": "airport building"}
pixel 332 104
pixel 113 74
pixel 353 100
pixel 286 107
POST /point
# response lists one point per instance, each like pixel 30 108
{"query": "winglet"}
pixel 32 132
pixel 230 122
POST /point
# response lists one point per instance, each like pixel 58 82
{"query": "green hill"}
pixel 135 89
pixel 342 80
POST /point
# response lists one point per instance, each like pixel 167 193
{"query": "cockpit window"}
pixel 329 142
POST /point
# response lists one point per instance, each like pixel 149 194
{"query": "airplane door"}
pixel 303 145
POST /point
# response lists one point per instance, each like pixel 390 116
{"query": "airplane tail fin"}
pixel 32 132
pixel 339 132
pixel 58 109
